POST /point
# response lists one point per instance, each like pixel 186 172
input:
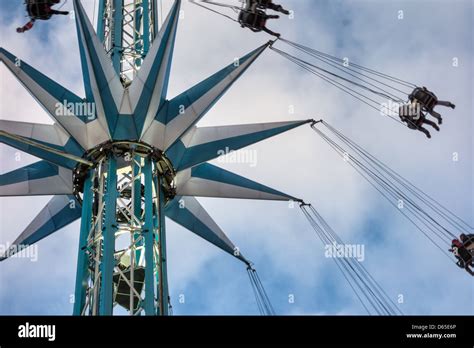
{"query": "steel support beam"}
pixel 127 29
pixel 149 231
pixel 82 259
pixel 121 256
pixel 117 35
pixel 100 20
pixel 161 239
pixel 110 226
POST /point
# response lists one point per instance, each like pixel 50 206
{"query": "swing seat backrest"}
pixel 38 9
pixel 425 97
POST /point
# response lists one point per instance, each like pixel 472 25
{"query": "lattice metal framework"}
pixel 127 28
pixel 122 240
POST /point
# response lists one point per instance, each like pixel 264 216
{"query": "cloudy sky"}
pixel 287 254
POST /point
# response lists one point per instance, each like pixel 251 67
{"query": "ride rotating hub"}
pixel 126 153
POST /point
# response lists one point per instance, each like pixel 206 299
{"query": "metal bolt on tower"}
pixel 122 257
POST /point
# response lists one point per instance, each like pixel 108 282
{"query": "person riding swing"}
pixel 256 21
pixel 40 10
pixel 254 17
pixel 428 101
pixel 415 118
pixel 463 251
pixel 269 5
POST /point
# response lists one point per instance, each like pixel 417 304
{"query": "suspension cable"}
pixel 232 7
pixel 393 186
pixel 375 72
pixel 261 297
pixel 368 291
pixel 383 172
pixel 381 292
pixel 341 265
pixel 331 73
pixel 255 293
pixel 383 109
pixel 345 68
pixel 368 175
pixel 195 2
pixel 447 214
pixel 378 176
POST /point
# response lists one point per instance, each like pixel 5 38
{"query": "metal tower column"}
pixel 127 28
pixel 122 243
pixel 122 259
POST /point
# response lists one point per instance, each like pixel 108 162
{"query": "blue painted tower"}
pixel 124 157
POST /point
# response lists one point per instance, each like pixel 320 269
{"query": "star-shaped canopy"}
pixel 139 112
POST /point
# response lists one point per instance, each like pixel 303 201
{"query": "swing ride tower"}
pixel 125 156
pixel 122 248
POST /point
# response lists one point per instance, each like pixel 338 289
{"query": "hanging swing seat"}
pixel 40 9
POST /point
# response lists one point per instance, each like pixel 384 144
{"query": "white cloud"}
pixel 276 238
